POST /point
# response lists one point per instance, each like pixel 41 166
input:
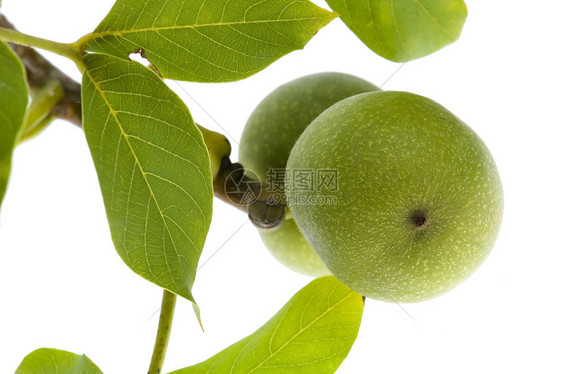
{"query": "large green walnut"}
pixel 267 140
pixel 418 203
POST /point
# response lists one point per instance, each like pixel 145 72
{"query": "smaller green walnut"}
pixel 267 140
pixel 291 249
pixel 281 117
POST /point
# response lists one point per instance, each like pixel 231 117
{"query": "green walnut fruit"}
pixel 267 140
pixel 291 249
pixel 280 118
pixel 418 203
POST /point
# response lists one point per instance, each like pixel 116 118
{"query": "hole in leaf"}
pixel 139 57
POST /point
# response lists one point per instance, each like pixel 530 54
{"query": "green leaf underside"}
pixel 55 361
pixel 13 106
pixel 312 333
pixel 153 169
pixel 208 41
pixel 403 30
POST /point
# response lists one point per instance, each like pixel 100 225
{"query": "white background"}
pixel 62 284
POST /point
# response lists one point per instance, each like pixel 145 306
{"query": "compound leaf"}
pixel 312 333
pixel 208 41
pixel 153 169
pixel 13 107
pixel 55 361
pixel 403 30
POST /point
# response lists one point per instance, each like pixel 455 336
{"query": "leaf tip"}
pixel 330 15
pixel 197 312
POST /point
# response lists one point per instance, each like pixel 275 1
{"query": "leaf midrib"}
pixel 394 19
pixel 272 354
pixel 434 19
pixel 96 35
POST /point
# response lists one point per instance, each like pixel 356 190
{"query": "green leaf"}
pixel 55 361
pixel 153 168
pixel 13 106
pixel 312 333
pixel 208 41
pixel 403 30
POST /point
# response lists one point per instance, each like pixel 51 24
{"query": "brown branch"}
pixel 40 71
pixel 231 185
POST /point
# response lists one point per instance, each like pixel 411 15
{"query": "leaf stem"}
pixel 163 333
pixel 70 51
